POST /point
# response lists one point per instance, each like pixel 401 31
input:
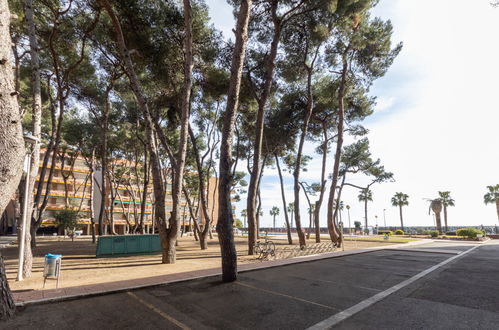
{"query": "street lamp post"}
pixel 349 226
pixel 30 140
pixel 384 217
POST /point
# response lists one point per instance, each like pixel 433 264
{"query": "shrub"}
pixel 432 233
pixel 450 233
pixel 469 232
pixel 385 232
pixel 399 232
pixel 68 220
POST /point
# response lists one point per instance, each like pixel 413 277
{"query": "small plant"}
pixel 238 223
pixel 68 220
pixel 432 233
pixel 399 232
pixel 469 232
pixel 385 232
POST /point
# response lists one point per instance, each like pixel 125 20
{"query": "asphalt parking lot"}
pixel 461 294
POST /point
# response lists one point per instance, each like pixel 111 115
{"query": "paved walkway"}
pixel 414 287
pixel 37 296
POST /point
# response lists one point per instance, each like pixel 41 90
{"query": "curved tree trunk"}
pixel 331 223
pixel 497 208
pixel 299 154
pixel 11 142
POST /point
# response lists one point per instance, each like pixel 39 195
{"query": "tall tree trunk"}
pixel 145 185
pixel 203 236
pixel 318 203
pixel 92 211
pixel 497 208
pixel 103 191
pixel 401 218
pixel 445 218
pixel 439 222
pixel 225 219
pixel 159 189
pixel 184 132
pixel 365 213
pixel 103 155
pixel 11 142
pixel 36 119
pixel 257 152
pixel 299 155
pixel 331 223
pixel 284 204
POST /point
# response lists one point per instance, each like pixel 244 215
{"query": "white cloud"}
pixel 436 121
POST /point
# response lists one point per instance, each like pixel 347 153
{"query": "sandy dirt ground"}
pixel 81 267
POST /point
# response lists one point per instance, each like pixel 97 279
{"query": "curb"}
pixel 217 271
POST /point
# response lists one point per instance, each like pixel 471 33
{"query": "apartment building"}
pixel 127 205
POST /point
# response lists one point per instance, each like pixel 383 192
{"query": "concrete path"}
pixel 7 240
pixel 426 290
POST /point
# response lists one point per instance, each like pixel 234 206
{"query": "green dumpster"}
pixel 127 245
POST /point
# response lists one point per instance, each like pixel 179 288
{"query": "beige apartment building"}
pixel 71 187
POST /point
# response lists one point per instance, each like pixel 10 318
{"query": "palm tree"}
pixel 436 207
pixel 365 196
pixel 492 196
pixel 400 199
pixel 244 214
pixel 446 201
pixel 273 212
pixel 291 209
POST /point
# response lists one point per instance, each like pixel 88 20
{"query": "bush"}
pixel 432 233
pixel 469 232
pixel 399 232
pixel 68 220
pixel 385 232
pixel 451 233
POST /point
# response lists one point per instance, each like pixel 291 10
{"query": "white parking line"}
pixel 343 315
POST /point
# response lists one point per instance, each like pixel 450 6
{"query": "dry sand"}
pixel 81 267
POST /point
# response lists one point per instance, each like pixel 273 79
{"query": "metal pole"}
pixel 23 229
pixel 349 225
pixel 384 218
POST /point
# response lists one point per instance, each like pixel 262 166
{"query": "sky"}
pixel 436 119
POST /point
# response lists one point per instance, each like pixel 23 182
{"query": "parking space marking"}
pixel 158 311
pixel 285 295
pixel 343 315
pixel 426 250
